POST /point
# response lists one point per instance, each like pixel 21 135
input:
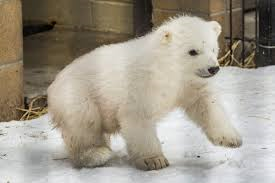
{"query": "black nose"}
pixel 213 70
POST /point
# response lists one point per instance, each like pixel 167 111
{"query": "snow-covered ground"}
pixel 32 151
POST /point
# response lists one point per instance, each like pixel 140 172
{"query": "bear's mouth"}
pixel 207 76
pixel 204 74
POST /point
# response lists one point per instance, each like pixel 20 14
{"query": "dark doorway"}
pixel 142 17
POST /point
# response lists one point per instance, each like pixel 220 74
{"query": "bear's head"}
pixel 192 43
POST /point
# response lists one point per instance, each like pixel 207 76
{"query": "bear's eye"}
pixel 193 52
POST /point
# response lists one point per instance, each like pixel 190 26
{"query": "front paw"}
pixel 151 163
pixel 227 137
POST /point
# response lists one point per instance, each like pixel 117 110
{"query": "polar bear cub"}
pixel 128 87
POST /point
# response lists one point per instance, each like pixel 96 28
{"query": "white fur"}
pixel 128 87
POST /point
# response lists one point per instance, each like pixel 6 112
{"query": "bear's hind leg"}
pixel 91 157
pixel 83 136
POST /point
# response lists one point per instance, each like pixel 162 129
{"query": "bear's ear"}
pixel 217 27
pixel 166 37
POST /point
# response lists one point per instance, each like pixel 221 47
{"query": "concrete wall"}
pixel 11 63
pixel 117 15
pixel 101 15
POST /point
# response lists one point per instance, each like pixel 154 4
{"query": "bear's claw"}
pixel 226 138
pixel 152 163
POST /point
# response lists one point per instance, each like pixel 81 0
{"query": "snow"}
pixel 32 151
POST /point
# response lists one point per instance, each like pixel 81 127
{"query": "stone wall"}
pixel 117 15
pixel 100 15
pixel 11 63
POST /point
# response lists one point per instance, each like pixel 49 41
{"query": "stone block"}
pixel 112 16
pixel 74 13
pixel 167 5
pixel 249 4
pixel 10 31
pixel 224 20
pixel 122 1
pixel 159 16
pixel 190 6
pixel 11 91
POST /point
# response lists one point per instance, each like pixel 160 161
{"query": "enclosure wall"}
pixel 100 15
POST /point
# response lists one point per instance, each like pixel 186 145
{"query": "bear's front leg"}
pixel 210 115
pixel 143 145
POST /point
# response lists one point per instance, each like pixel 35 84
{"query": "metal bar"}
pixel 256 23
pixel 239 39
pixel 269 27
pixel 230 30
pixel 243 29
pixel 266 46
